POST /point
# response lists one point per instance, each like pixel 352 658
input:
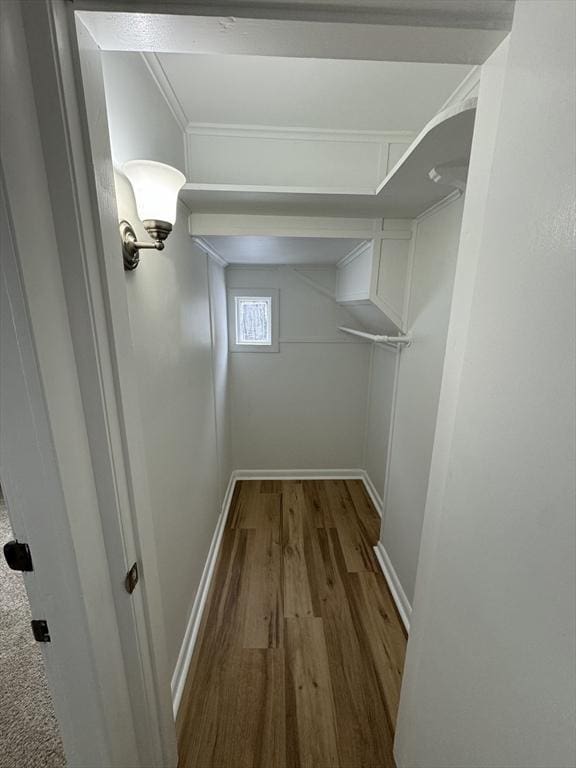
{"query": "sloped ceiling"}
pixel 309 93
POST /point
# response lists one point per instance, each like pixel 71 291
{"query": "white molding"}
pixel 195 618
pixel 464 88
pixel 358 250
pixel 360 297
pixel 333 34
pixel 299 133
pixel 210 251
pixel 206 224
pixel 391 430
pixel 298 474
pixel 165 87
pixel 375 497
pixel 394 585
pixel 439 205
pixel 409 274
pixel 274 189
pixel 393 234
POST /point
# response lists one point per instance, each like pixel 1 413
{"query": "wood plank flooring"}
pixel 299 658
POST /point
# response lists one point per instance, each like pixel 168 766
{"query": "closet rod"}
pixel 377 339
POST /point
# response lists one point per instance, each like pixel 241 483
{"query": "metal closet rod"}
pixel 379 339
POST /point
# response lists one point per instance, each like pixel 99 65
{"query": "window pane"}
pixel 254 320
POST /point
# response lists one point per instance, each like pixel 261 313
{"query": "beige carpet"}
pixel 29 735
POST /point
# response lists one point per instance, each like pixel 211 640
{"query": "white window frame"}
pixel 235 293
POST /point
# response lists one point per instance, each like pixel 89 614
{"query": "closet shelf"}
pixel 395 341
pixel 405 193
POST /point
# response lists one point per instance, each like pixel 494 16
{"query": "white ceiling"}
pixel 281 250
pixel 309 93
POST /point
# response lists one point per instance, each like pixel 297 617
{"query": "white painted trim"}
pixel 464 88
pixel 210 251
pixel 334 34
pixel 394 585
pixel 391 431
pixel 367 407
pixel 155 68
pixel 276 189
pixel 361 297
pixel 270 265
pixel 439 205
pixel 358 250
pixel 152 62
pixel 409 276
pixel 195 618
pixel 393 234
pixel 299 133
pixel 298 474
pixel 206 224
pixel 373 493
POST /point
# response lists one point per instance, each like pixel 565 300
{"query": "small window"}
pixel 253 320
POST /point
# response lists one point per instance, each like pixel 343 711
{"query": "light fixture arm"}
pixel 158 230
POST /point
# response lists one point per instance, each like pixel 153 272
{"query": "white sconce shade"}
pixel 156 188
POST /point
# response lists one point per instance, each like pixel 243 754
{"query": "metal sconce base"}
pixel 158 231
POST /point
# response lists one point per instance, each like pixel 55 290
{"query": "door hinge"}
pixel 17 555
pixel 40 630
pixel 131 579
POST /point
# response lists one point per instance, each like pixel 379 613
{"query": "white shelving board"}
pixel 406 191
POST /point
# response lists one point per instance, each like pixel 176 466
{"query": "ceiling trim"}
pixel 236 35
pixel 300 133
pixel 210 251
pixel 165 87
pixel 358 250
pixel 464 89
pixel 208 224
pixel 481 14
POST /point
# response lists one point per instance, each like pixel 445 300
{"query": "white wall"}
pixel 176 303
pixel 379 417
pixel 418 389
pixel 490 671
pixel 304 406
pixel 141 125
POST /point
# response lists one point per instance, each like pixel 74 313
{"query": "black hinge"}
pixel 17 555
pixel 40 630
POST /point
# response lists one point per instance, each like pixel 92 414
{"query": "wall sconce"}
pixel 156 188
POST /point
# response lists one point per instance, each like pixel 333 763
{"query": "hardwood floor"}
pixel 300 654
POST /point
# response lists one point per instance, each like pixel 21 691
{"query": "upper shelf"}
pixel 406 191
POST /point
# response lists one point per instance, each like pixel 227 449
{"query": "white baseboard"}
pixel 402 602
pixel 298 474
pixel 195 618
pixel 373 493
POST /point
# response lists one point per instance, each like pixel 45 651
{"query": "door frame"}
pixel 74 184
pixel 45 459
pixel 70 280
